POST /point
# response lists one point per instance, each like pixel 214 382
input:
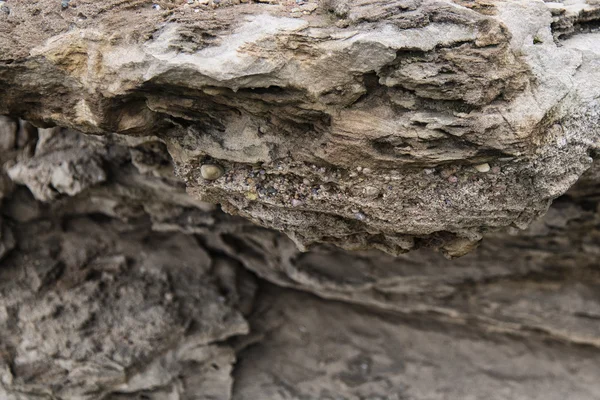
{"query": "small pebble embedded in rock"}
pixel 211 172
pixel 485 167
pixel 371 192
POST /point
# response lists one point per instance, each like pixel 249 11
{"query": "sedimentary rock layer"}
pixel 366 124
pixel 126 287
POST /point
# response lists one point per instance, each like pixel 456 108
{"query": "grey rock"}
pixel 118 281
pixel 398 86
pixel 154 298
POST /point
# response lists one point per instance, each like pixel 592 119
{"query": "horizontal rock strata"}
pixel 360 124
pixel 126 287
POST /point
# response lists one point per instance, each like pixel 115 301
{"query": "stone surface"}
pixel 393 88
pixel 314 349
pixel 103 293
pixel 133 289
pixel 357 124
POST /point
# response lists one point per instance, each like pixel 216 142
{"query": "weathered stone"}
pixel 361 124
pixel 211 172
pixel 132 288
pixel 485 167
pixel 393 87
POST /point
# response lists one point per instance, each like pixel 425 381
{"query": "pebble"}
pixel 447 172
pixel 429 171
pixel 309 7
pixel 156 7
pixel 296 202
pixel 366 171
pixel 64 3
pixel 211 172
pixel 452 179
pixel 485 167
pixel 359 169
pixel 360 216
pixel 306 181
pixel 371 191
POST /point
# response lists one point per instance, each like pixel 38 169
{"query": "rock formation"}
pixel 390 128
pixel 357 124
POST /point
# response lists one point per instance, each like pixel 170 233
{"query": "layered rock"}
pixel 362 124
pixel 371 125
pixel 126 286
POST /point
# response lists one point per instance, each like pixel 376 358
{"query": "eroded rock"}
pixel 386 125
pixel 133 288
pixel 397 88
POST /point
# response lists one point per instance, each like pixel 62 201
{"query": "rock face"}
pixel 355 123
pixel 129 288
pixel 383 126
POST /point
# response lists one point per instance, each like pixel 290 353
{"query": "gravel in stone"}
pixel 485 167
pixel 211 172
pixel 360 216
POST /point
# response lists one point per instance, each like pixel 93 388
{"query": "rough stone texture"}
pixel 360 124
pixel 104 294
pixel 543 280
pixel 356 123
pixel 132 289
pixel 315 349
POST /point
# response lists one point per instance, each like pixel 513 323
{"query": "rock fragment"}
pixel 211 172
pixel 485 167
